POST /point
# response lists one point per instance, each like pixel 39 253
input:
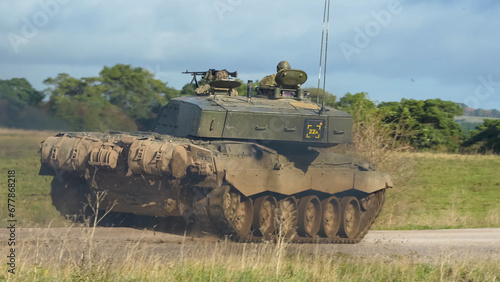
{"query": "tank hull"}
pixel 238 189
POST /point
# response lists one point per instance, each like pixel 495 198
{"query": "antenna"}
pixel 326 56
pixel 321 51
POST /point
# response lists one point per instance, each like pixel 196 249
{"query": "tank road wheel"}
pixel 231 212
pixel 351 217
pixel 309 216
pixel 243 213
pixel 330 221
pixel 287 217
pixel 264 216
pixel 238 211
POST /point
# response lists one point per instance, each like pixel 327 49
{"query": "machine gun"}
pixel 209 75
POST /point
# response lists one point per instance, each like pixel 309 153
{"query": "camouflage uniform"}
pixel 270 80
pixel 202 89
pixel 221 75
pixel 206 88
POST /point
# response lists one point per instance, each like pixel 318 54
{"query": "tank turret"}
pixel 283 116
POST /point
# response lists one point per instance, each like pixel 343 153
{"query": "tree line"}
pixel 125 98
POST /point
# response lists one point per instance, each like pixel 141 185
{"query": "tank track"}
pixel 227 217
pixel 316 217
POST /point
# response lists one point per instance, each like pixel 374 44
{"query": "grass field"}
pixel 445 191
pixel 19 152
pixel 432 191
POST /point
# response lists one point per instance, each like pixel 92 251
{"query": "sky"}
pixel 391 49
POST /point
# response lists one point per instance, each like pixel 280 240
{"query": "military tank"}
pixel 232 165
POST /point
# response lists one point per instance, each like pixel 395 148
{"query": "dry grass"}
pixel 375 143
pixel 285 222
pixel 40 258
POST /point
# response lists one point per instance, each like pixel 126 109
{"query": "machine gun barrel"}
pixel 195 72
pixel 212 71
pixel 207 75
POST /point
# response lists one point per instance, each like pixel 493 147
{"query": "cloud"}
pixel 444 46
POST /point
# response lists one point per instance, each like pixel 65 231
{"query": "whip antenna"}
pixel 326 57
pixel 321 51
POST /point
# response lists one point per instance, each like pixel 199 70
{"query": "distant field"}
pixel 437 191
pixel 469 123
pixel 445 191
pixel 19 152
pixel 472 119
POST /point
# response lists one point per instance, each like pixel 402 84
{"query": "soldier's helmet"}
pixel 283 65
pixel 222 74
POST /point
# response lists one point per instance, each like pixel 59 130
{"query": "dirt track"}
pixel 422 245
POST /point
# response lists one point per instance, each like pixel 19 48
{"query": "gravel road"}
pixel 421 245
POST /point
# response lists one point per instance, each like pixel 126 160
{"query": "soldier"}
pixel 222 74
pixel 205 87
pixel 212 76
pixel 208 77
pixel 269 81
pixel 202 89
